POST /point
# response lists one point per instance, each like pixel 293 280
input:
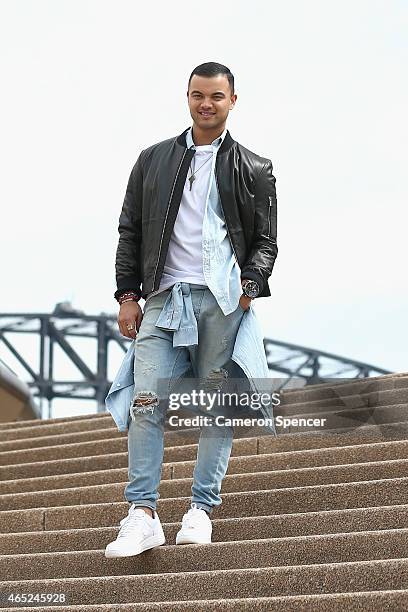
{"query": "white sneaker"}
pixel 196 527
pixel 138 532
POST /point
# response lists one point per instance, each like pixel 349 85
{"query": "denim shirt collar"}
pixel 216 143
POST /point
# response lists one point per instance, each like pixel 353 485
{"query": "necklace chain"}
pixel 191 178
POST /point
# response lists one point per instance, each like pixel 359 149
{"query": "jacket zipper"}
pixel 225 218
pixel 165 219
pixel 269 216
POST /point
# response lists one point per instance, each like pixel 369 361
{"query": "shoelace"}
pixel 130 521
pixel 192 517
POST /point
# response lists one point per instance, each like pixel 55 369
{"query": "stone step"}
pixel 374 601
pixel 320 513
pixel 63 466
pixel 346 402
pixel 107 461
pixel 224 530
pixel 60 439
pixel 344 437
pixel 63 481
pixel 296 459
pixel 239 554
pixel 364 453
pixel 47 453
pixel 306 401
pixel 314 498
pixel 41 422
pixel 344 420
pixel 88 449
pixel 236 482
pixel 220 584
pixel 90 423
pixel 171 438
pixel 345 386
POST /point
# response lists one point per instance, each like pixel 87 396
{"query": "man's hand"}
pixel 130 313
pixel 245 301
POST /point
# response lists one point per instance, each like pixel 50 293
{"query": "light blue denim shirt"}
pixel 221 270
pixel 223 278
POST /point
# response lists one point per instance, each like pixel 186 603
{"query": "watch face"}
pixel 251 289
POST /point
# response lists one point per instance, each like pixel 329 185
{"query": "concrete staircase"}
pixel 311 520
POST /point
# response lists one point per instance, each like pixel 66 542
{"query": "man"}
pixel 198 243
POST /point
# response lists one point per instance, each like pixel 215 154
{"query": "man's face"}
pixel 210 100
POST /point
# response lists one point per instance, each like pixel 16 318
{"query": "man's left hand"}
pixel 244 300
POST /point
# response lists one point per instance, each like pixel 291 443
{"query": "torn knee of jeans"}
pixel 144 402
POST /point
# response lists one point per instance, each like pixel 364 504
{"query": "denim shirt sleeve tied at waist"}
pixel 177 315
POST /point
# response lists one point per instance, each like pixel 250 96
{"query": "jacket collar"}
pixel 225 146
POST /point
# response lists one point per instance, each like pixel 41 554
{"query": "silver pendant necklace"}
pixel 191 178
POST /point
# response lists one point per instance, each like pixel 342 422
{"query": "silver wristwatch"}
pixel 250 288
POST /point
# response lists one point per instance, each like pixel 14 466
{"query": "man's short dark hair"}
pixel 211 69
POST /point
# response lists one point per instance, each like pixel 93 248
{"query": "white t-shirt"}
pixel 184 260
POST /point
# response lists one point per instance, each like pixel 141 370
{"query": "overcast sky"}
pixel 321 91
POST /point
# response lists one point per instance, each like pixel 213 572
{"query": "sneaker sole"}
pixel 150 543
pixel 184 539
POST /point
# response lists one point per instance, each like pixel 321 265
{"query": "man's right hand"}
pixel 130 313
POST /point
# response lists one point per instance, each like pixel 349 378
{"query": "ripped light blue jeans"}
pixel 157 359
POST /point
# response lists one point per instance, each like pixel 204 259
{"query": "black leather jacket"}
pixel 246 187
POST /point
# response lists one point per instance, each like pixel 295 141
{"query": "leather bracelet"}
pixel 127 297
